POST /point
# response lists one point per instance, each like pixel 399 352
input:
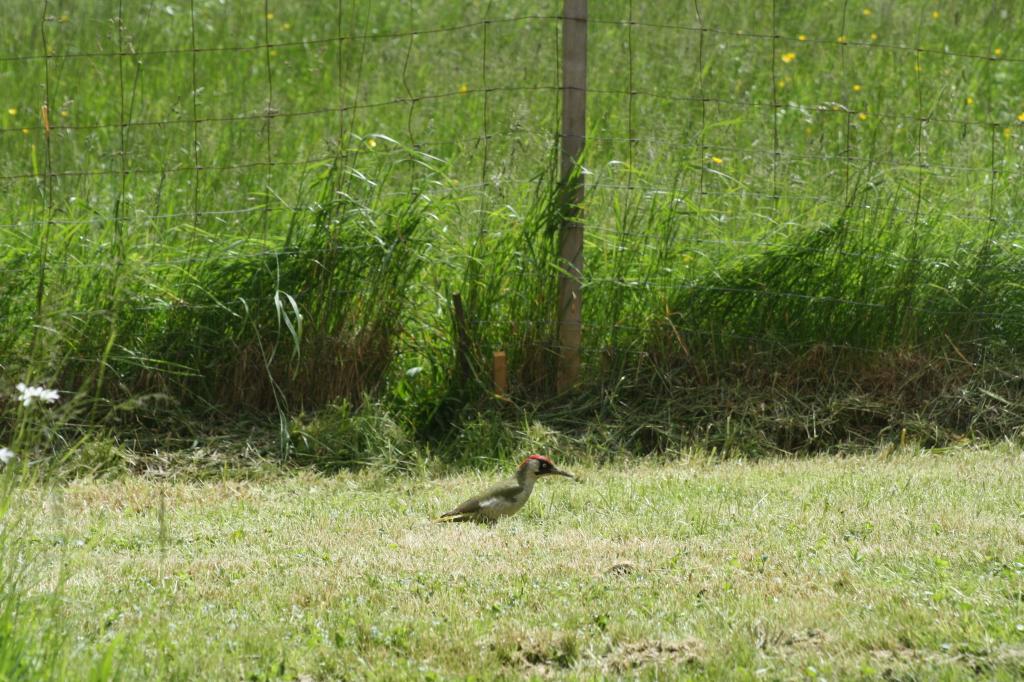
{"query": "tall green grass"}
pixel 787 205
pixel 873 280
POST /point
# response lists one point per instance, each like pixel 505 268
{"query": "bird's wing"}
pixel 504 491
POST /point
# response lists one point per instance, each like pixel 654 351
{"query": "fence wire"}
pixel 147 138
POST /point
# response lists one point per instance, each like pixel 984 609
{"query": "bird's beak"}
pixel 563 473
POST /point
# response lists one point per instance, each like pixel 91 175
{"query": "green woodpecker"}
pixel 507 497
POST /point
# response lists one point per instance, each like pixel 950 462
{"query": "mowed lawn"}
pixel 908 564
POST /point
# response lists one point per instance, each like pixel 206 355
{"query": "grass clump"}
pixel 871 281
pixel 34 640
pixel 340 436
pixel 311 320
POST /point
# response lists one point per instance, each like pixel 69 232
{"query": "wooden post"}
pixel 462 361
pixel 500 370
pixel 574 123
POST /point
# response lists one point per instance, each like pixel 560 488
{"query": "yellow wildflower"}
pixel 285 26
pixel 874 36
pixel 64 113
pixel 12 111
pixel 24 131
pixel 1020 117
pixel 64 18
pixel 862 116
pixel 857 87
pixel 935 14
pixel 866 12
pixel 788 57
pixel 841 40
pixel 270 16
pixel 715 159
pixel 998 52
pixel 463 89
pixel 371 143
pixel 969 100
pixel 801 37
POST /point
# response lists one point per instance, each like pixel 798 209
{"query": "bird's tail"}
pixel 452 518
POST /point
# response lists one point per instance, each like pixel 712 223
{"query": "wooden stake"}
pixel 500 370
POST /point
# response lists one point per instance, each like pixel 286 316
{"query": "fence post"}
pixel 570 250
pixel 500 373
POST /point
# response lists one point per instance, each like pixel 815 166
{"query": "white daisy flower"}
pixel 29 394
pixel 6 455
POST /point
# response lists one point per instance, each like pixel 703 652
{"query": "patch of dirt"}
pixel 621 569
pixel 541 654
pixel 766 637
pixel 811 637
pixel 900 655
pixel 544 654
pixel 641 654
pixel 978 662
pixel 1012 655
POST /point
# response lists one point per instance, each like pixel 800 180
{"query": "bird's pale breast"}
pixel 499 506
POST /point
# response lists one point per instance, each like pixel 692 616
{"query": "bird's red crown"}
pixel 540 458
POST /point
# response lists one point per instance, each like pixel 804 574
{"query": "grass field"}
pixel 903 565
pixel 229 237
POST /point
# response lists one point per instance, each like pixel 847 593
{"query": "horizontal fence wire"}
pixel 305 42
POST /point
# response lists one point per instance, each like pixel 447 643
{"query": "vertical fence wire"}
pixel 993 177
pixel 775 110
pixel 993 137
pixel 630 128
pixel 122 132
pixel 269 114
pixel 410 133
pixel 194 97
pixel 48 207
pixel 921 119
pixel 485 163
pixel 846 106
pixel 701 151
pixel 339 52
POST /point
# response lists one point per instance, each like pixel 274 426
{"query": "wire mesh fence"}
pixel 760 171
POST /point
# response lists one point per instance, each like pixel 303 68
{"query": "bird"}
pixel 507 497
